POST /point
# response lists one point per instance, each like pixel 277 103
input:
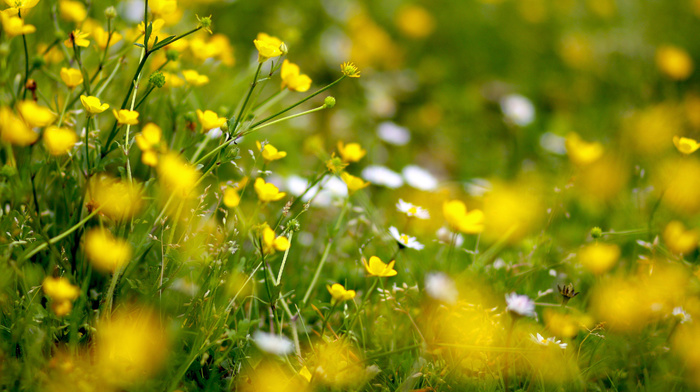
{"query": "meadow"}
pixel 348 195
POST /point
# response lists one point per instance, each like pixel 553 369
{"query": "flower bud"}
pixel 596 232
pixel 157 79
pixel 329 102
pixel 110 12
pixel 172 55
pixel 283 49
pixel 38 61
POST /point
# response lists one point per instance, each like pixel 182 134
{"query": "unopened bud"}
pixel 329 102
pixel 110 12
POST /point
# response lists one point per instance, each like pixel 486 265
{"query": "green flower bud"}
pixel 38 61
pixel 190 117
pixel 329 102
pixel 110 12
pixel 596 232
pixel 157 79
pixel 172 55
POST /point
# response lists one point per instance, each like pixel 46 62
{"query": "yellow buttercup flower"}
pixel 459 219
pixel 352 152
pixel 350 70
pixel 71 77
pixel 34 114
pixel 415 21
pixel 128 117
pixel 13 25
pixel 353 183
pixel 376 267
pixel 148 142
pixel 62 294
pixel 176 175
pixel 93 104
pixel 335 165
pixel 210 120
pixel 79 38
pixel 293 79
pixel 268 47
pixel 13 130
pixel 72 11
pixel 270 153
pixel 51 55
pixel 679 240
pixel 599 258
pixel 231 197
pixel 173 80
pixel 194 78
pixel 21 4
pixel 686 145
pixel 675 62
pixel 272 243
pixel 117 199
pixel 267 192
pixel 162 7
pixel 106 252
pixel 339 294
pixel 59 141
pixel 101 36
pixel 582 152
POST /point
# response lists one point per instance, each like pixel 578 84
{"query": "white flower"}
pixel 393 134
pixel 553 143
pixel 419 178
pixel 272 343
pixel 682 316
pixel 215 133
pixel 444 235
pixel 439 286
pixel 405 240
pixel 520 304
pixel 412 210
pixel 546 342
pixel 518 109
pixel 383 176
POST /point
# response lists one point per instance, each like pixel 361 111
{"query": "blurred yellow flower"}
pixel 148 142
pixel 351 152
pixel 268 47
pixel 678 181
pixel 162 7
pixel 459 219
pixel 335 165
pixel 14 25
pixel 353 183
pixel 272 243
pixel 293 79
pixel 59 141
pixel 338 365
pixel 582 152
pixel 267 192
pixel 415 21
pixel 231 197
pixel 172 80
pixel 101 36
pixel 176 175
pixel 118 199
pixel 13 130
pixel 21 4
pixel 270 376
pixel 79 38
pixel 71 77
pixel 62 294
pixel 34 114
pixel 51 54
pixel 685 145
pixel 679 240
pixel 270 153
pixel 376 267
pixel 106 252
pixel 339 293
pixel 599 258
pixel 93 104
pixel 674 62
pixel 210 120
pixel 126 117
pixel 72 11
pixel 194 78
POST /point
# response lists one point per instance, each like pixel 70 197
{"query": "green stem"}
pixel 60 236
pixel 26 66
pixel 250 130
pixel 237 120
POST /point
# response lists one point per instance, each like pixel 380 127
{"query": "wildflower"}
pixel 518 110
pixel 272 243
pixel 106 252
pixel 599 258
pixel 210 120
pixel 404 240
pixel 78 38
pixel 270 153
pixel 352 152
pixel 329 102
pixel 148 142
pixel 679 240
pixel 13 130
pixel 72 11
pixel 682 316
pixel 412 210
pixel 128 117
pixel 161 7
pixel 205 23
pixel 292 77
pixel 59 141
pixel 173 80
pixel 231 197
pixel 393 134
pixel 567 292
pixel 176 175
pixel 685 145
pixel 268 47
pixel 335 165
pixel 13 25
pixel 101 37
pixel 34 114
pixel 21 4
pixel 415 21
pixel 272 343
pixel 354 183
pixel 339 294
pixel 419 178
pixel 582 152
pixel 194 78
pixel 459 219
pixel 674 62
pixel 267 192
pixel 440 287
pixel 520 304
pixel 71 77
pixel 381 175
pixel 93 104
pixel 547 342
pixel 376 267
pixel 116 199
pixel 350 70
pixel 62 294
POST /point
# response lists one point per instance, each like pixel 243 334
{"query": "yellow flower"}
pixel 685 145
pixel 117 199
pixel 194 78
pixel 267 192
pixel 335 165
pixel 415 21
pixel 231 197
pixel 674 62
pixel 268 47
pixel 353 183
pixel 34 114
pixel 270 153
pixel 173 80
pixel 59 141
pixel 599 258
pixel 71 77
pixel 376 267
pixel 162 7
pixel 352 152
pixel 582 152
pixel 14 25
pixel 93 104
pixel 51 55
pixel 459 219
pixel 21 4
pixel 79 38
pixel 106 252
pixel 679 240
pixel 148 142
pixel 210 120
pixel 124 116
pixel 293 79
pixel 101 36
pixel 176 175
pixel 13 130
pixel 350 70
pixel 72 11
pixel 339 293
pixel 62 294
pixel 272 243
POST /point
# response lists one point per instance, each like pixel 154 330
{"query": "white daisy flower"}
pixel 444 235
pixel 382 176
pixel 419 178
pixel 405 240
pixel 439 286
pixel 520 304
pixel 412 210
pixel 518 109
pixel 682 316
pixel 272 343
pixel 393 134
pixel 549 341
